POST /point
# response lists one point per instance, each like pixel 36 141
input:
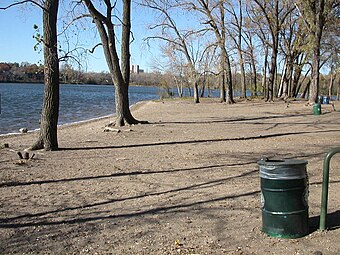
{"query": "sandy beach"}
pixel 186 183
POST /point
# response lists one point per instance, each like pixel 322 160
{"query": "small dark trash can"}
pixel 284 198
pixel 317 109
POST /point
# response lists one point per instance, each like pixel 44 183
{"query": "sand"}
pixel 187 183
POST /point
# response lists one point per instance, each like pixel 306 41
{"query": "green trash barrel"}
pixel 284 197
pixel 317 109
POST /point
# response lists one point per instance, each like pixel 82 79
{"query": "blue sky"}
pixel 17 42
pixel 16 28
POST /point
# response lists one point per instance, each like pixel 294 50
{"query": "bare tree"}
pixel 249 36
pixel 50 111
pixel 273 13
pixel 236 33
pixel 209 68
pixel 119 69
pixel 291 45
pixel 214 18
pixel 315 15
pixel 47 138
pixel 178 39
pixel 330 52
pixel 176 66
pixel 255 28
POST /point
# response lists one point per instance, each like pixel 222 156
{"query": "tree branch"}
pixel 73 20
pixel 23 2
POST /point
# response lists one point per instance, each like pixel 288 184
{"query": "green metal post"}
pixel 325 181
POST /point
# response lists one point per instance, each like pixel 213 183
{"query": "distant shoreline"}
pixel 80 84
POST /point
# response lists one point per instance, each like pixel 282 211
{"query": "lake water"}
pixel 21 103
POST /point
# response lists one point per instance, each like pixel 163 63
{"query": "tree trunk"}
pixel 223 90
pixel 230 92
pixel 264 78
pixel 296 77
pixel 222 87
pixel 243 74
pixel 179 86
pixel 254 76
pixel 227 76
pixel 196 94
pixel 290 79
pixel 122 106
pixel 48 139
pixel 239 50
pixel 331 83
pixel 317 35
pixel 304 93
pixel 202 88
pixel 272 70
pixel 283 84
pixel 287 79
pixel 315 86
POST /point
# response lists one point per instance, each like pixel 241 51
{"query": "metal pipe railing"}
pixel 325 181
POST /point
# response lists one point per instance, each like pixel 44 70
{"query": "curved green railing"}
pixel 325 181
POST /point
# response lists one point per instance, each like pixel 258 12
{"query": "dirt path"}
pixel 187 183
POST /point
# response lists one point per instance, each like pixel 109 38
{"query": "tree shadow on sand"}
pixel 121 174
pixel 35 220
pixel 202 140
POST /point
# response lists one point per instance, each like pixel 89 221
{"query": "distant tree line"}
pixel 33 73
pixel 24 72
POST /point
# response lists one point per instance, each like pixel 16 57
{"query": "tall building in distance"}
pixel 135 69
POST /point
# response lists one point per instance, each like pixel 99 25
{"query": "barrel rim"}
pixel 281 162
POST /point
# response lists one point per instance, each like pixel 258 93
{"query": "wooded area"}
pixel 275 47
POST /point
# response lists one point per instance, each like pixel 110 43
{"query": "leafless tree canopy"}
pixel 281 45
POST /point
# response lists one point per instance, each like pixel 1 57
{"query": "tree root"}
pixel 125 122
pixel 40 145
